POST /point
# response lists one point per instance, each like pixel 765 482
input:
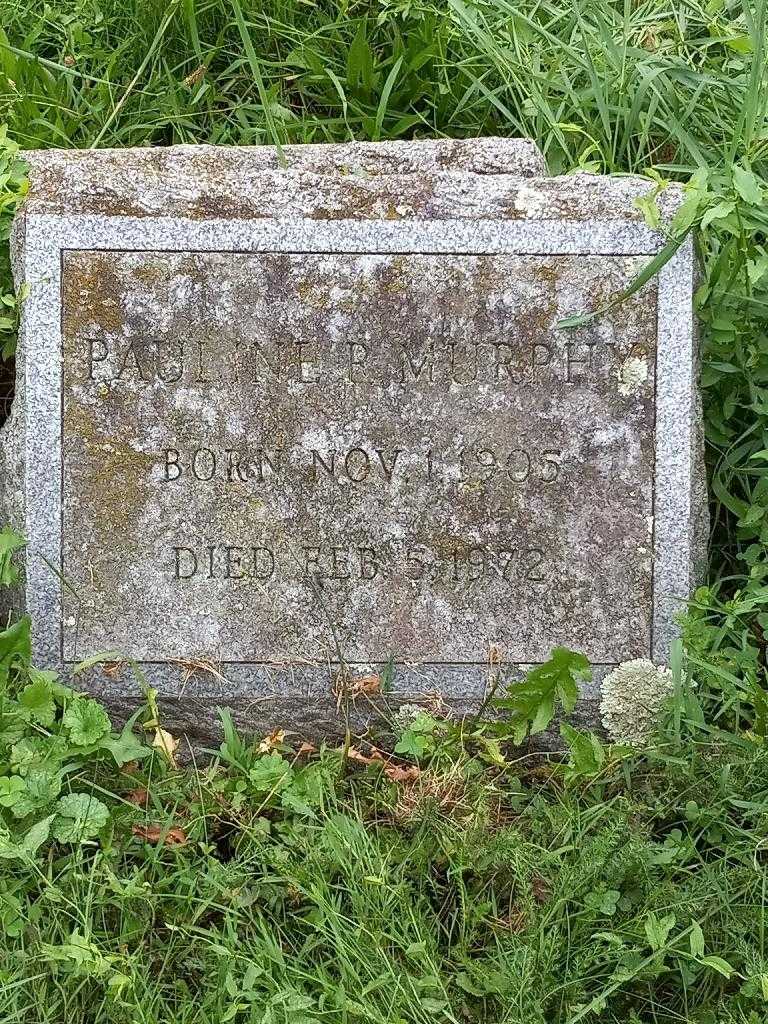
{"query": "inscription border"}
pixel 49 236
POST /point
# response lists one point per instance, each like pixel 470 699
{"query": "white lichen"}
pixel 407 714
pixel 529 202
pixel 633 695
pixel 633 373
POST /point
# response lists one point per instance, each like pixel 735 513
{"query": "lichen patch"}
pixel 633 373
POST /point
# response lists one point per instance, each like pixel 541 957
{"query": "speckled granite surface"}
pixel 272 418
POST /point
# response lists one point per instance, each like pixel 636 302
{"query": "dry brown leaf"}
pixel 366 684
pixel 167 744
pixel 112 668
pixel 399 773
pixel 352 688
pixel 173 836
pixel 139 796
pixel 275 739
pixel 306 748
pixel 353 754
pixel 196 76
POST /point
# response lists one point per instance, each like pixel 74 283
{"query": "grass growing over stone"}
pixel 457 882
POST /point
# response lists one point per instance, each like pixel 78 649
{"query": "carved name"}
pixel 208 362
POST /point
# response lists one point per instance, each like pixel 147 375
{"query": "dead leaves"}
pixel 193 79
pixel 166 744
pixel 139 796
pixel 160 834
pixel 353 754
pixel 397 773
pixel 540 888
pixel 112 669
pixel 352 687
pixel 402 774
pixel 275 739
pixel 365 684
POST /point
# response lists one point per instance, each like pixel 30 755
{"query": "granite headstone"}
pixel 284 412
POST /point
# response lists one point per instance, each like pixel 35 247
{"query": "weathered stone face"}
pixel 271 447
pixel 405 445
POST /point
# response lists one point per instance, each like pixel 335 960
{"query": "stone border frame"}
pixel 47 236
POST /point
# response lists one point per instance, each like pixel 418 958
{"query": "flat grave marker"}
pixel 275 418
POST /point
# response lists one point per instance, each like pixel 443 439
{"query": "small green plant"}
pixel 531 703
pixel 49 736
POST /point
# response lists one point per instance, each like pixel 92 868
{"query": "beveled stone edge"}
pixel 680 527
pixel 303 701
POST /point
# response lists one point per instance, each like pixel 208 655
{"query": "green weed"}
pixel 273 885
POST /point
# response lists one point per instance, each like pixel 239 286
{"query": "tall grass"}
pixel 621 86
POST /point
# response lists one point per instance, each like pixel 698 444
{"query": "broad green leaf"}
pixel 718 964
pixel 531 702
pixel 125 747
pixel 543 714
pixel 41 787
pixel 79 816
pixel 650 209
pixel 741 43
pixel 37 700
pixel 15 645
pixel 587 754
pixel 36 836
pixel 10 541
pixel 86 720
pixel 747 185
pixel 697 940
pixel 271 771
pixel 658 928
pixel 719 211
